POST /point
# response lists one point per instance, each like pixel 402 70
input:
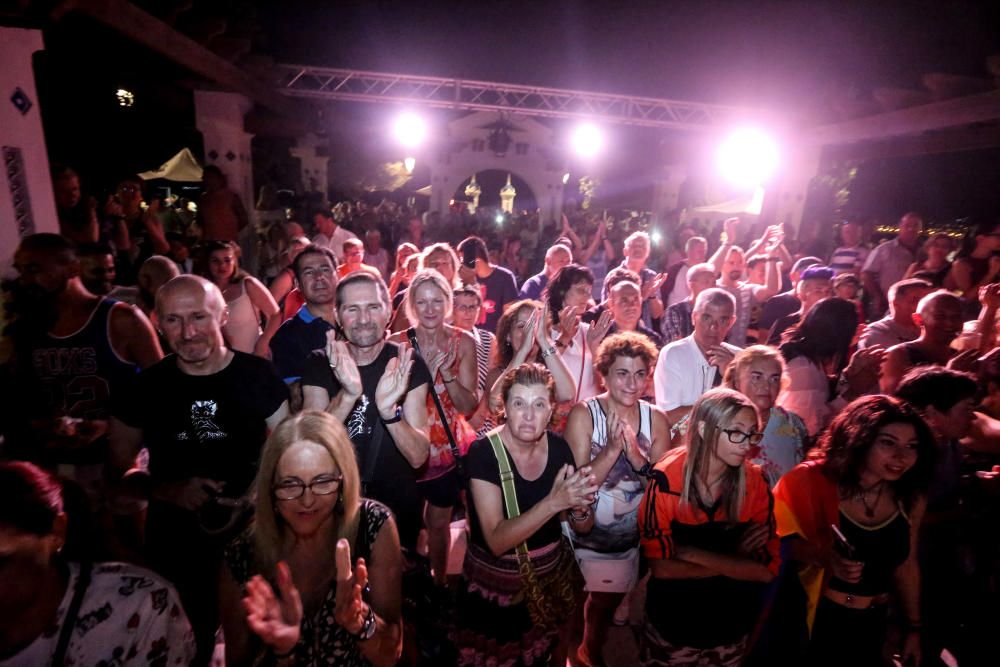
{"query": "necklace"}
pixel 862 495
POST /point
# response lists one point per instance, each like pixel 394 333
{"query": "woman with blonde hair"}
pixel 442 258
pixel 758 372
pixel 450 355
pixel 309 508
pixel 707 529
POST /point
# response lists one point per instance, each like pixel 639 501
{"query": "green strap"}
pixel 507 483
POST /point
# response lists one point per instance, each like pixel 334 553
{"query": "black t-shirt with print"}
pixel 210 426
pixel 394 481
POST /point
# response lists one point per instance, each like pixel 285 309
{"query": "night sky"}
pixel 782 55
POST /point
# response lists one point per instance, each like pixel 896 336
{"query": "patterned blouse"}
pixel 322 641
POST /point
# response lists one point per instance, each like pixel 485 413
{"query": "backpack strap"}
pixel 82 582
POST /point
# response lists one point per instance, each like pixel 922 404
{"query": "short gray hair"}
pixel 714 296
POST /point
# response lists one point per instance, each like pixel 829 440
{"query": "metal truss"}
pixel 358 86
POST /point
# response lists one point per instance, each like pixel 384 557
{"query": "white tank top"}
pixel 243 328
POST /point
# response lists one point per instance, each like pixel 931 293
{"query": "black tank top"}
pixel 78 373
pixel 881 548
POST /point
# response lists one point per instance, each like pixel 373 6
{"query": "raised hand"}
pixel 443 360
pixel 653 285
pixel 569 322
pixel 989 295
pixel 572 488
pixel 599 329
pixel 278 623
pixel 521 354
pixel 343 366
pixel 542 328
pixel 629 441
pixel 729 229
pixel 966 361
pixel 864 369
pixel 393 383
pixel 350 609
pixel 190 494
pixel 720 357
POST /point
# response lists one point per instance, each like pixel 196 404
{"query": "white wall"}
pixel 22 132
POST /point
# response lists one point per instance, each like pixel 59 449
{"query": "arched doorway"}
pixel 490 181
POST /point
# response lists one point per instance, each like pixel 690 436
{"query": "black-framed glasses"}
pixel 294 489
pixel 738 437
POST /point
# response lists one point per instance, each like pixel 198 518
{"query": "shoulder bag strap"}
pixel 82 582
pixel 507 485
pixel 411 334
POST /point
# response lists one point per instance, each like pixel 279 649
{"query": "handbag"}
pixel 608 572
pixel 411 335
pixel 552 596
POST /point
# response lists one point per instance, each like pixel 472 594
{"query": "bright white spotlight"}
pixel 655 237
pixel 587 140
pixel 566 178
pixel 409 163
pixel 499 218
pixel 747 158
pixel 410 130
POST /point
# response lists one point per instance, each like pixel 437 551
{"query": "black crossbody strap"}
pixel 411 334
pixel 82 582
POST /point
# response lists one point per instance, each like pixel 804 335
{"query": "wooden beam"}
pixel 981 108
pixel 146 29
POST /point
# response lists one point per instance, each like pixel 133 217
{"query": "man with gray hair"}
pixel 939 316
pixel 676 322
pixel 898 326
pixel 556 258
pixel 203 413
pixel 689 367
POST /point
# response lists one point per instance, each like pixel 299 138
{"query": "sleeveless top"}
pixel 77 374
pixel 322 641
pixel 441 459
pixel 616 526
pixel 881 548
pixel 243 328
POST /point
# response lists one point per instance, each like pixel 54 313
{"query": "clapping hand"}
pixel 989 295
pixel 350 609
pixel 653 285
pixel 444 360
pixel 572 488
pixel 393 383
pixel 569 322
pixel 599 329
pixel 277 622
pixel 343 366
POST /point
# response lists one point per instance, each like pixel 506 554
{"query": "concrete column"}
pixel 26 202
pixel 219 117
pixel 314 160
pixel 785 200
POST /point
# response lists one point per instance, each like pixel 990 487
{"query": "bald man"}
pixel 556 258
pixel 204 413
pixel 939 316
pixel 153 274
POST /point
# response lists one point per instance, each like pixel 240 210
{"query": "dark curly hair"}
pixel 844 446
pixel 555 292
pixel 624 344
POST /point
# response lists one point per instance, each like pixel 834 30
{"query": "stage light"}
pixel 747 158
pixel 125 97
pixel 655 237
pixel 409 163
pixel 410 130
pixel 587 140
pixel 566 178
pixel 499 218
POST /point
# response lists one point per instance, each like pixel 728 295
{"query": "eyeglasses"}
pixel 322 486
pixel 738 437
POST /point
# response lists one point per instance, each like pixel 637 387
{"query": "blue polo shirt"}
pixel 294 340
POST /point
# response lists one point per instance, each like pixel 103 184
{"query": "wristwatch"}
pixel 368 628
pixel 395 418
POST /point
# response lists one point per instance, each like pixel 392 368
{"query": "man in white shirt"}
pixel 328 234
pixel 689 367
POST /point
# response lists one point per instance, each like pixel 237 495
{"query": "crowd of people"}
pixel 243 439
